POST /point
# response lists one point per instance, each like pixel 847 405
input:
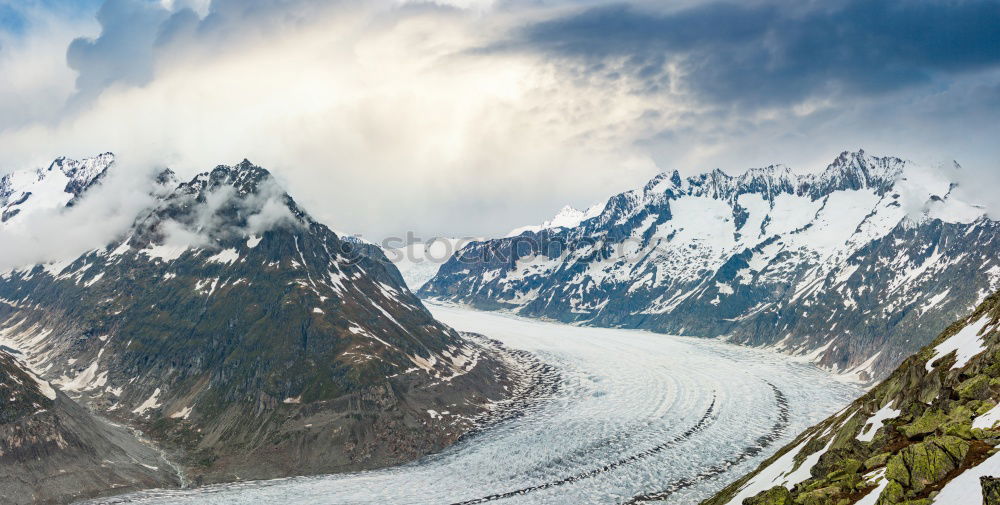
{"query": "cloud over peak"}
pixel 474 117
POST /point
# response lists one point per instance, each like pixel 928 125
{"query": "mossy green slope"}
pixel 905 439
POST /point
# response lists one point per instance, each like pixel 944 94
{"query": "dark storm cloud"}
pixel 770 54
pixel 123 52
pixel 134 33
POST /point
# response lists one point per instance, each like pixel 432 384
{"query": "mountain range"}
pixel 854 267
pixel 227 335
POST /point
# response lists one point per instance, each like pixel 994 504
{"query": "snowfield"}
pixel 637 414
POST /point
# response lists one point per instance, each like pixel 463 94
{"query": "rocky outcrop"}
pixel 991 490
pixel 924 435
pixel 923 464
pixel 856 267
pixel 777 495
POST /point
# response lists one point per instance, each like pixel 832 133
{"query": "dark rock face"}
pixel 861 264
pixel 249 339
pixel 52 450
pixel 907 439
pixel 991 490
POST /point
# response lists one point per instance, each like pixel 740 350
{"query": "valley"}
pixel 630 414
pixel 462 252
pixel 229 348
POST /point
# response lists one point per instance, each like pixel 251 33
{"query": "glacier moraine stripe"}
pixel 705 421
pixel 748 452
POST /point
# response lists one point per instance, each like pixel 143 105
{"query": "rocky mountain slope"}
pixel 250 340
pixel 855 267
pixel 52 450
pixel 927 434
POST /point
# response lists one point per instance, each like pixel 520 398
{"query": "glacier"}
pixel 635 414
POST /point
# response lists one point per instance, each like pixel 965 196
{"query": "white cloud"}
pixel 377 121
pixel 36 80
pixel 390 116
pixel 54 234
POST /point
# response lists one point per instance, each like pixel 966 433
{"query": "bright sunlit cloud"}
pixel 472 117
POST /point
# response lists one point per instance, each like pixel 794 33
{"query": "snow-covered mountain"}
pixel 854 267
pixel 929 434
pixel 25 192
pixel 567 217
pixel 249 339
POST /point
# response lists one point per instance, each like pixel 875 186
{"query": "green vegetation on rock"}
pixel 919 465
pixel 916 453
pixel 991 490
pixel 930 421
pixel 777 495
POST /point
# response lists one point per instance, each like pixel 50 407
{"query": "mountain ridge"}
pixel 761 258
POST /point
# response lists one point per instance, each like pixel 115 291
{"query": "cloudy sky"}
pixel 471 117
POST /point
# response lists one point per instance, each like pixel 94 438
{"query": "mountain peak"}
pixel 247 177
pixel 225 203
pixel 82 172
pixel 858 170
pixel 244 177
pixel 567 217
pixel 56 186
pixel 166 176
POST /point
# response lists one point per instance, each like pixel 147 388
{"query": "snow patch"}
pixel 988 419
pixel 94 280
pixel 182 413
pixel 150 403
pixel 225 257
pixel 782 472
pixel 84 381
pixel 874 423
pixel 880 484
pixel 164 252
pixel 43 386
pixel 966 344
pixel 966 488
